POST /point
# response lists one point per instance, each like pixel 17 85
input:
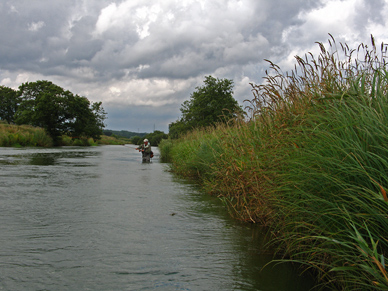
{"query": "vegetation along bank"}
pixel 311 163
pixel 57 111
pixel 12 135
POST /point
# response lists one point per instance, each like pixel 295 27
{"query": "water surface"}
pixel 96 218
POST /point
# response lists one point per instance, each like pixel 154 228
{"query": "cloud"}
pixel 148 57
pixel 35 26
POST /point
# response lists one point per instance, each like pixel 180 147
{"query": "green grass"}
pixel 110 140
pixel 311 164
pixel 24 135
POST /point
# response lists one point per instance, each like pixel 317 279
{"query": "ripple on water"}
pixel 98 219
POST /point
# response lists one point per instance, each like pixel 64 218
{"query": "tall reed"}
pixel 24 135
pixel 311 163
pixel 333 187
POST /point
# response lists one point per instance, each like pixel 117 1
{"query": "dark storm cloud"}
pixel 152 54
pixel 194 42
pixel 82 47
pixel 27 28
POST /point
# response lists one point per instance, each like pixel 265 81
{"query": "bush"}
pixel 24 135
pixel 156 137
pixel 136 140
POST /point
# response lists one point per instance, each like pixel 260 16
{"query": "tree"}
pixel 177 128
pixel 8 103
pixel 155 137
pixel 49 106
pixel 43 104
pixel 86 119
pixel 136 140
pixel 208 105
pixel 96 124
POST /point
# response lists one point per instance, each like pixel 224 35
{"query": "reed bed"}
pixel 311 164
pixel 23 135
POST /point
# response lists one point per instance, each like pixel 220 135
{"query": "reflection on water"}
pixel 98 219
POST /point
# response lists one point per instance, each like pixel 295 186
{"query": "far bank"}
pixel 30 136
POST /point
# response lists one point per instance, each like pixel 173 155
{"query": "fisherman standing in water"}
pixel 146 152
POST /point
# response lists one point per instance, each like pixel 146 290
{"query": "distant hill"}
pixel 123 133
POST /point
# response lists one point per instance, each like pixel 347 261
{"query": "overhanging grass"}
pixel 311 164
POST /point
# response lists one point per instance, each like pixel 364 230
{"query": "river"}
pixel 96 218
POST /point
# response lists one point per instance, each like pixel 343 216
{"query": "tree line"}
pixel 123 133
pixel 58 111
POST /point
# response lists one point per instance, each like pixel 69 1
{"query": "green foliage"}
pixel 123 133
pixel 47 105
pixel 84 142
pixel 66 140
pixel 177 129
pixel 194 154
pixel 311 165
pixel 110 140
pixel 137 140
pixel 208 105
pixel 16 136
pixel 338 176
pixel 8 104
pixel 155 137
pixel 165 147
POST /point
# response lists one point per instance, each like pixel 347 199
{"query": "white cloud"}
pixel 150 92
pixel 348 21
pixel 109 18
pixel 12 9
pixel 35 26
pixel 379 28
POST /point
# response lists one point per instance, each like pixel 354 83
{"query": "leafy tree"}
pixel 177 128
pixel 208 105
pixel 47 105
pixel 43 104
pixel 124 133
pixel 136 139
pixel 155 137
pixel 108 132
pixel 86 118
pixel 8 103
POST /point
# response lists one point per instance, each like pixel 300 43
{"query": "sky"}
pixel 143 59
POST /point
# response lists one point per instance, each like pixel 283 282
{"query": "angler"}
pixel 145 150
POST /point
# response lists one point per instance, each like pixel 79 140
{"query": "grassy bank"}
pixel 311 164
pixel 23 135
pixel 29 136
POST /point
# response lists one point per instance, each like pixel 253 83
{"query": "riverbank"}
pixel 26 135
pixel 311 164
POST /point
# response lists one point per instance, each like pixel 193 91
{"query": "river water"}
pixel 96 218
